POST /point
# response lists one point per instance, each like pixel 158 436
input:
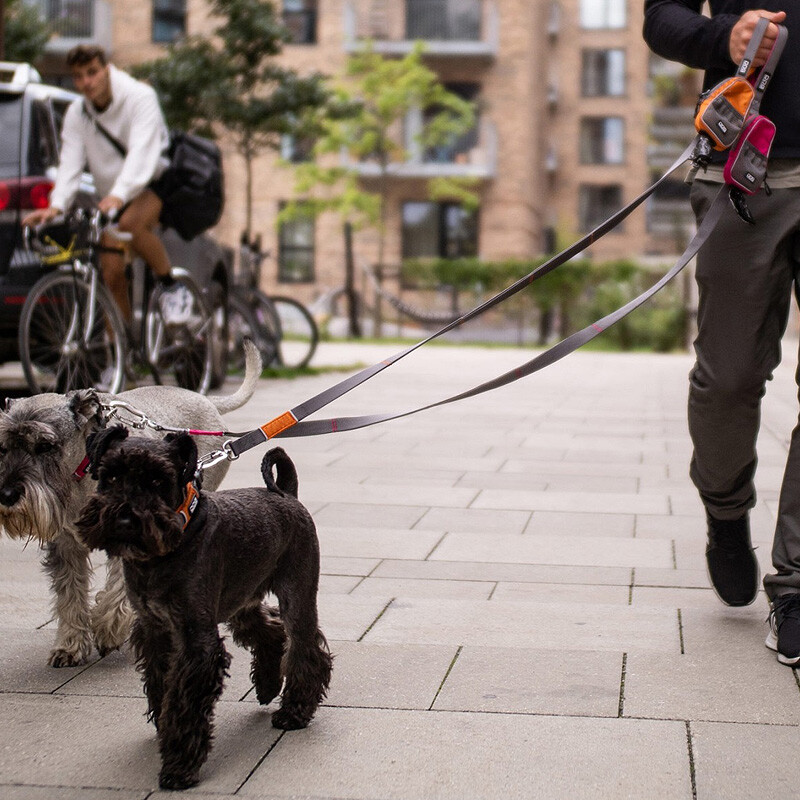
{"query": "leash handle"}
pixel 765 75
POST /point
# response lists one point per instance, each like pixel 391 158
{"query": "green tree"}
pixel 375 96
pixel 229 82
pixel 25 33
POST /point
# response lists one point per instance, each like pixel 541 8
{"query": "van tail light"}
pixel 26 193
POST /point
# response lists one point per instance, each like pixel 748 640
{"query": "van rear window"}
pixel 10 129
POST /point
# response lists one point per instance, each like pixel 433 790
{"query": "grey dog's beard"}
pixel 38 514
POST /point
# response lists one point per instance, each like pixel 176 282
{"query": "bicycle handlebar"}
pixel 94 220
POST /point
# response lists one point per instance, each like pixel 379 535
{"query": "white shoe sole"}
pixel 772 643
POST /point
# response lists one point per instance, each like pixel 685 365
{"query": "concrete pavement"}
pixel 514 589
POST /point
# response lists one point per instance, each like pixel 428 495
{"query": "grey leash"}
pixel 291 424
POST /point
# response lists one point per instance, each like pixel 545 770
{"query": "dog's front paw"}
pixel 175 781
pixel 110 630
pixel 288 720
pixel 63 657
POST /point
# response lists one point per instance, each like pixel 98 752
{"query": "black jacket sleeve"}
pixel 676 30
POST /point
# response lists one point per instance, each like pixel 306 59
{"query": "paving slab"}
pixel 376 542
pixel 574 550
pixel 742 762
pixel 517 681
pixel 588 626
pixel 399 755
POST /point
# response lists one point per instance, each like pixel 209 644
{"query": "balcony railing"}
pixel 76 22
pixel 449 28
pixel 458 161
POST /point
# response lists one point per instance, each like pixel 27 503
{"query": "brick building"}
pixel 565 131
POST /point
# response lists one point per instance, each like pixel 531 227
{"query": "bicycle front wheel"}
pixel 179 342
pixel 71 336
pixel 299 333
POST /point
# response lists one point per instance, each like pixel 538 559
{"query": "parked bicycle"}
pixel 281 327
pixel 73 335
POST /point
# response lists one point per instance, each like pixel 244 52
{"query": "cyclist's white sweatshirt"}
pixel 135 120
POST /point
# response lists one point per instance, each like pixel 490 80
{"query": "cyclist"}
pixel 128 176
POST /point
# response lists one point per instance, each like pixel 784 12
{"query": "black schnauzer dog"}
pixel 193 559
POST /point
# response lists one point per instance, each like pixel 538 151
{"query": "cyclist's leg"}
pixel 112 264
pixel 140 218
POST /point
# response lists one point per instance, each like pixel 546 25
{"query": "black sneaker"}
pixel 732 565
pixel 784 628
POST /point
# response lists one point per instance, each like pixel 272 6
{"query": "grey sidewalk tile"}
pixel 685 502
pixel 504 480
pixel 411 587
pixel 519 465
pixel 556 592
pixel 448 463
pixel 724 631
pixel 742 762
pixel 23 662
pixel 691 527
pixel 106 743
pixel 668 577
pixel 517 681
pixel 481 571
pixel 586 502
pixel 345 617
pixel 473 519
pixel 387 676
pixel 69 793
pixel 592 483
pixel 664 597
pixel 24 605
pixel 379 755
pixel 568 550
pixel 559 523
pixel 339 565
pixel 376 542
pixel 338 584
pixel 357 516
pixel 751 688
pixel 549 626
pixel 402 495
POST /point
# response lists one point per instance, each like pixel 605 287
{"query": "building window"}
pixel 300 17
pixel 603 14
pixel 602 140
pixel 297 149
pixel 439 230
pixel 448 20
pixel 457 149
pixel 596 204
pixel 296 250
pixel 603 73
pixel 169 20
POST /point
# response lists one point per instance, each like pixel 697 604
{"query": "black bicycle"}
pixel 72 334
pixel 281 327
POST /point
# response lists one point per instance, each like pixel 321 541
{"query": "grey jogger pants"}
pixel 745 275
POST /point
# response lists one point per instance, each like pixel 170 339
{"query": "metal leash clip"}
pixel 216 456
pixel 139 420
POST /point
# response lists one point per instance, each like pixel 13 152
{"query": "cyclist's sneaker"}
pixel 784 629
pixel 176 304
pixel 732 565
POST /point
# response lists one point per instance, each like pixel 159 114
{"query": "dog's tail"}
pixel 252 372
pixel 286 481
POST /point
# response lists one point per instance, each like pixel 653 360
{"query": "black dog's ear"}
pixel 84 404
pixel 99 442
pixel 185 453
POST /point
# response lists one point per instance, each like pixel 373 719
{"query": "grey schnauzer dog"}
pixel 43 490
pixel 193 559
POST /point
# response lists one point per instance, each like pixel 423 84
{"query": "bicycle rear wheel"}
pixel 181 347
pixel 245 323
pixel 299 333
pixel 71 336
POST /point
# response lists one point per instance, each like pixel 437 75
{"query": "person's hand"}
pixel 40 216
pixel 110 205
pixel 742 33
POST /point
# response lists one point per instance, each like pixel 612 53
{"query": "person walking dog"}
pixel 745 275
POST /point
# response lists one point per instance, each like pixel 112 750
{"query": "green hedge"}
pixel 581 291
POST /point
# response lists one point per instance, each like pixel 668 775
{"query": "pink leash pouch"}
pixel 746 167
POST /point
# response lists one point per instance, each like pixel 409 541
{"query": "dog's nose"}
pixel 9 495
pixel 124 521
